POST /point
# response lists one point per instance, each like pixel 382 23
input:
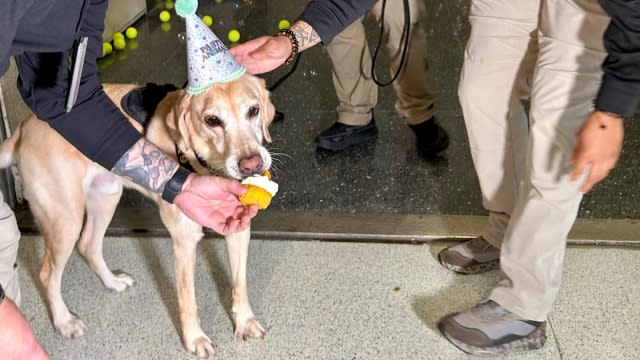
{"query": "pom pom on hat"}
pixel 185 8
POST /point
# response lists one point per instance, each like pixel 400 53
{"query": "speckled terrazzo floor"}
pixel 325 300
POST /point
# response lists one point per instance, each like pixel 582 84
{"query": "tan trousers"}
pixel 9 238
pixel 351 65
pixel 549 51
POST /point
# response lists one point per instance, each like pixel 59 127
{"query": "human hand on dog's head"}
pixel 213 202
pixel 262 54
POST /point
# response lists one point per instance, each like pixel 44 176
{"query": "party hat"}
pixel 208 59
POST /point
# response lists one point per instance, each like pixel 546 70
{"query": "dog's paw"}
pixel 119 282
pixel 201 347
pixel 72 328
pixel 250 328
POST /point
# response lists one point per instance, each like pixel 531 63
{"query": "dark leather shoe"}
pixel 431 138
pixel 340 136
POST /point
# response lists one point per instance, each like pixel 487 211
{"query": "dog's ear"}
pixel 179 118
pixel 269 110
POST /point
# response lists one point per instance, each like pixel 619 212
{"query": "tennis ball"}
pixel 118 35
pixel 207 20
pixel 106 48
pixel 218 1
pixel 168 4
pixel 283 24
pixel 165 26
pixel 119 44
pixel 131 33
pixel 165 16
pixel 234 35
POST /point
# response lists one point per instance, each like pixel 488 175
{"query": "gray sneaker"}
pixel 471 257
pixel 489 329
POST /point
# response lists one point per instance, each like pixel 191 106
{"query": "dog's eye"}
pixel 253 111
pixel 213 121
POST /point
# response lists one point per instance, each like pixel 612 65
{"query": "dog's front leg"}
pixel 238 252
pixel 185 235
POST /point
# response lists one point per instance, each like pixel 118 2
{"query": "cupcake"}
pixel 260 190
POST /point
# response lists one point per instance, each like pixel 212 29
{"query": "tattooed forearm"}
pixel 306 36
pixel 146 165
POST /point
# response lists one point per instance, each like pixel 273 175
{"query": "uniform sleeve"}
pixel 620 89
pixel 329 17
pixel 10 14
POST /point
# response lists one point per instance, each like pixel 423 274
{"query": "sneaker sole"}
pixel 524 344
pixel 473 269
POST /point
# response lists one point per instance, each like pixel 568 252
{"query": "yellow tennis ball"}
pixel 118 35
pixel 165 16
pixel 119 44
pixel 131 33
pixel 283 24
pixel 234 35
pixel 207 20
pixel 106 48
pixel 165 26
pixel 169 4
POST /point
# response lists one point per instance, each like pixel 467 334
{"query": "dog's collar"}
pixel 184 161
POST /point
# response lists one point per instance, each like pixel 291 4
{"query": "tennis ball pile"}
pixel 119 41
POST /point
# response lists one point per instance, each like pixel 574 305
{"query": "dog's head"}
pixel 223 129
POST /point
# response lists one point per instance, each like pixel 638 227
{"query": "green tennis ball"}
pixel 131 33
pixel 234 35
pixel 118 35
pixel 106 48
pixel 165 26
pixel 283 24
pixel 168 5
pixel 207 20
pixel 119 44
pixel 165 16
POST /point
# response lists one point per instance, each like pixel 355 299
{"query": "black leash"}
pixel 406 31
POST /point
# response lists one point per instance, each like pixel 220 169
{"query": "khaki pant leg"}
pixel 497 70
pixel 415 100
pixel 567 79
pixel 351 66
pixel 9 239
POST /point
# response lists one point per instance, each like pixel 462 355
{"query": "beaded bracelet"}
pixel 294 44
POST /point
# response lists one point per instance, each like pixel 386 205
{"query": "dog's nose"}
pixel 250 165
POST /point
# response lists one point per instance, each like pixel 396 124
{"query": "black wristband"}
pixel 174 185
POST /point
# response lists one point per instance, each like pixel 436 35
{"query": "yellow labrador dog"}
pixel 61 185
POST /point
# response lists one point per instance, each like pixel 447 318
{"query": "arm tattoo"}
pixel 307 37
pixel 146 165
